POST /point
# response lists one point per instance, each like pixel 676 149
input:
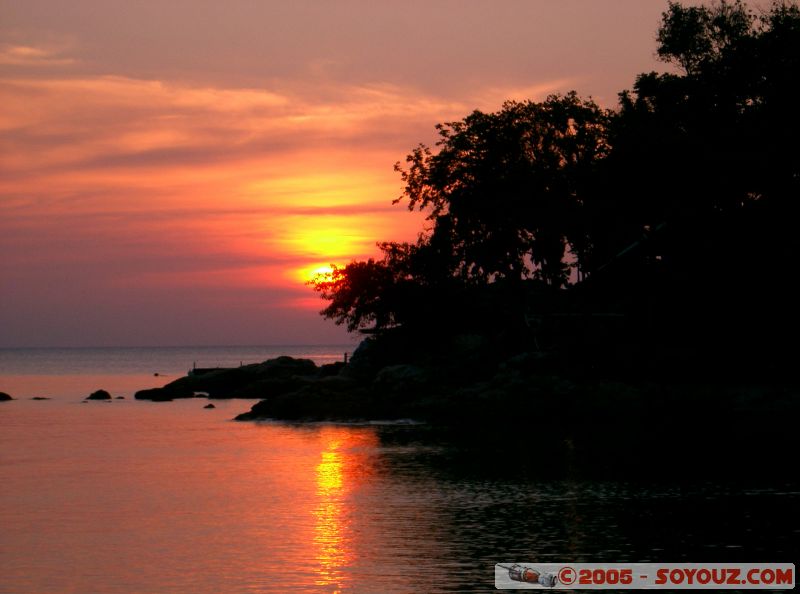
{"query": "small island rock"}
pixel 166 394
pixel 209 405
pixel 5 397
pixel 99 395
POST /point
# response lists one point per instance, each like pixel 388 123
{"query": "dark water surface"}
pixel 142 497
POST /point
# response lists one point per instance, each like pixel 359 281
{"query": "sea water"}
pixel 141 497
pixel 71 372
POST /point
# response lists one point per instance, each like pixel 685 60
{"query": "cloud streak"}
pixel 128 186
pixel 255 172
pixel 176 175
pixel 30 56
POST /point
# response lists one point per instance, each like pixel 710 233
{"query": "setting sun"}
pixel 309 273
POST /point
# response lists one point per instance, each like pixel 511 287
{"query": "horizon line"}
pixel 176 346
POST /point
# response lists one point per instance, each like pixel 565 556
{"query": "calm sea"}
pixel 140 497
pixel 74 372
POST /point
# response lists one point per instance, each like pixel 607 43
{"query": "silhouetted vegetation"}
pixel 657 238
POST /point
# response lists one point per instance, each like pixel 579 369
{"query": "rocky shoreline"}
pixel 470 388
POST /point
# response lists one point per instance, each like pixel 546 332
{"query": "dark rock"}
pixel 312 403
pixel 367 359
pixel 333 399
pixel 217 383
pixel 39 398
pixel 376 352
pixel 120 397
pixel 274 376
pixel 527 362
pixel 465 345
pixel 401 378
pixel 271 387
pixel 5 397
pixel 99 395
pixel 209 405
pixel 236 382
pixel 165 394
pixel 330 369
pixel 285 367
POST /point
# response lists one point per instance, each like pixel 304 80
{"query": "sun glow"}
pixel 321 241
pixel 326 236
pixel 218 200
pixel 309 273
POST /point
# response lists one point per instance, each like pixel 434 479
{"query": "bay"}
pixel 144 497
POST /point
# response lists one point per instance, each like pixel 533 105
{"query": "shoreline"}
pixel 519 392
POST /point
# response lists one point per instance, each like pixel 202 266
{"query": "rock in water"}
pixel 209 405
pixel 285 367
pixel 233 382
pixel 4 397
pixel 166 394
pixel 99 395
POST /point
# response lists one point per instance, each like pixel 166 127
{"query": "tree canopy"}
pixel 504 188
pixel 683 200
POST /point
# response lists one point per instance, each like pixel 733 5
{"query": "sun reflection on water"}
pixel 341 470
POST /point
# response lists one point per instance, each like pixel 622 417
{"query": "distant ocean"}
pixel 75 372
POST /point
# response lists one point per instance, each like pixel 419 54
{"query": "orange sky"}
pixel 172 175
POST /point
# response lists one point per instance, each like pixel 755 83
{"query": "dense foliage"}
pixel 677 210
pixel 505 189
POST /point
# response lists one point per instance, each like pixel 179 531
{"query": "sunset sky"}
pixel 172 171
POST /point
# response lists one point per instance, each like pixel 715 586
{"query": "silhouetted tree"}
pixel 381 293
pixel 505 189
pixel 710 155
pixel 696 36
pixel 359 294
pixel 681 206
pixel 720 135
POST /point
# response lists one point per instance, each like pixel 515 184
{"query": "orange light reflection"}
pixel 340 472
